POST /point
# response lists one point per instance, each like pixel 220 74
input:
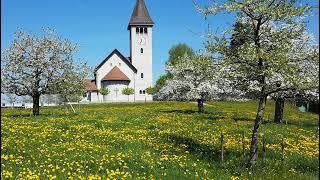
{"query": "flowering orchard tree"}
pixel 71 86
pixel 175 53
pixel 307 89
pixel 266 54
pixel 302 49
pixel 194 78
pixel 37 65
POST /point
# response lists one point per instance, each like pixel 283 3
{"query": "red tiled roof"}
pixel 115 75
pixel 91 85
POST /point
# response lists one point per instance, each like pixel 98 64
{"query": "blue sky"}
pixel 99 26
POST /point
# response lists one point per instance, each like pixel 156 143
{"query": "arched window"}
pixel 137 30
pixel 145 30
pixel 144 92
pixel 141 50
pixel 110 64
pixel 140 91
pixel 141 75
pixel 141 30
pixel 119 64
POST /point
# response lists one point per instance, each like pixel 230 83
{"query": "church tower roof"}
pixel 140 15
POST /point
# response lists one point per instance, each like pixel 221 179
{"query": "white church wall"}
pixel 113 61
pixel 94 96
pixel 142 61
pixel 90 97
pixel 115 94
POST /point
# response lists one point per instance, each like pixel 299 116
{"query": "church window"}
pixel 144 92
pixel 137 30
pixel 146 30
pixel 119 64
pixel 140 91
pixel 141 50
pixel 110 64
pixel 141 75
pixel 141 30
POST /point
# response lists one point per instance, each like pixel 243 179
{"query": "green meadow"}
pixel 156 140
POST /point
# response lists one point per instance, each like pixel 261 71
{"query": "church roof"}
pixel 140 15
pixel 115 75
pixel 126 60
pixel 90 85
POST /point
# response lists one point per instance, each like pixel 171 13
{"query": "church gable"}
pixel 115 75
pixel 117 53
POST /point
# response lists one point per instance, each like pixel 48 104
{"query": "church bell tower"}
pixel 140 27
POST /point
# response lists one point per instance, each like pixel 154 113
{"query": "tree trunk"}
pixel 278 113
pixel 262 98
pixel 254 140
pixel 36 104
pixel 71 106
pixel 200 105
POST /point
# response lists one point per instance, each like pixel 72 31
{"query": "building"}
pixel 117 71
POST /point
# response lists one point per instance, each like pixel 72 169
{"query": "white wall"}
pixel 115 96
pixel 142 61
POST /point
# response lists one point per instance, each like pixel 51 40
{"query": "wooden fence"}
pixel 264 153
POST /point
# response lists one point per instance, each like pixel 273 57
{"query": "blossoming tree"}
pixel 266 56
pixel 195 77
pixel 37 65
pixel 302 48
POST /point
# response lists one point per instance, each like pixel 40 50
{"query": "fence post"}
pixel 282 148
pixel 243 145
pixel 222 142
pixel 264 147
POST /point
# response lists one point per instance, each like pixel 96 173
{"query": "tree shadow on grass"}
pixel 202 151
pixel 41 115
pixel 299 123
pixel 187 111
pixel 303 123
pixel 212 115
pixel 19 115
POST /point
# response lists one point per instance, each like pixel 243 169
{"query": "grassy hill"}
pixel 168 140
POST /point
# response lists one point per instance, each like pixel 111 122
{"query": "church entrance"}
pixel 115 88
pixel 116 91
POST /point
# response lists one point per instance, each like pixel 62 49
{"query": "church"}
pixel 117 71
